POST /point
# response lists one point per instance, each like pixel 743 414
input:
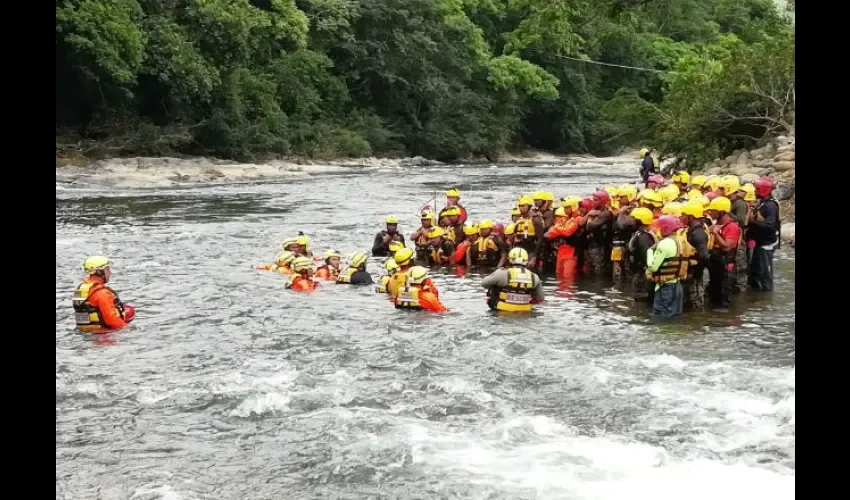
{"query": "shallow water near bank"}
pixel 228 386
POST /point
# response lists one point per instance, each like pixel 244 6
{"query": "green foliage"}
pixel 440 78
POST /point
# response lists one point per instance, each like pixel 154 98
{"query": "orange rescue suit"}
pixel 567 261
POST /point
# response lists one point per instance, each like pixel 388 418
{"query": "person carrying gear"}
pixel 543 201
pixel 356 273
pixel 564 235
pixel 420 237
pixel 730 187
pixel 641 241
pixel 330 269
pixel 404 259
pixel 667 266
pixel 654 182
pixel 381 245
pixel 471 233
pixel 489 250
pixel 390 267
pixel 418 292
pixel 701 239
pixel 600 221
pixel 681 179
pixel 514 288
pixel 452 200
pixel 303 248
pixel 727 234
pixel 282 261
pixel 302 279
pixel 528 231
pixel 765 229
pixel 648 165
pixel 97 308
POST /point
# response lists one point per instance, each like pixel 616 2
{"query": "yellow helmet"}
pixel 302 240
pixel 392 219
pixel 302 264
pixel 485 224
pixel 510 229
pixel 428 215
pixel 721 204
pixel 285 244
pixel 642 214
pixel 694 193
pixel 451 211
pixel 612 191
pixel 750 192
pixel 703 200
pixel 698 180
pixel 470 229
pixel 669 193
pixel 672 208
pixel 515 211
pixel 560 212
pixel 403 256
pixel 436 232
pixel 395 246
pixel 681 176
pixel 333 253
pixel 284 257
pixel 95 263
pixel 518 256
pixel 390 265
pixel 525 200
pixel 357 259
pixel 548 196
pixel 570 202
pixel 627 190
pixel 730 184
pixel 452 193
pixel 694 208
pixel 650 197
pixel 643 152
pixel 417 275
pixel 539 195
pixel 712 182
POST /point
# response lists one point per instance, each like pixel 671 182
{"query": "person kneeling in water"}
pixel 356 273
pixel 514 288
pixel 97 307
pixel 419 292
pixel 302 279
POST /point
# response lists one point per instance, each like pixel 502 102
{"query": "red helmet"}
pixel 711 195
pixel 668 224
pixel 499 228
pixel 586 204
pixel 657 179
pixel 764 186
pixel 601 197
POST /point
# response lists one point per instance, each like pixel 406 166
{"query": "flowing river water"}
pixel 228 386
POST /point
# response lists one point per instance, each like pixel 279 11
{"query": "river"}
pixel 227 386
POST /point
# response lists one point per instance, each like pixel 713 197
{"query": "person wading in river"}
pixel 381 245
pixel 97 308
pixel 515 288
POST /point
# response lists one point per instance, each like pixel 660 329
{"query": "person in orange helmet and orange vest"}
pixel 301 280
pixel 564 235
pixel 97 308
pixel 419 292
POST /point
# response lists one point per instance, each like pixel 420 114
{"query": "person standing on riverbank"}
pixel 381 245
pixel 97 307
pixel 647 165
pixel 764 228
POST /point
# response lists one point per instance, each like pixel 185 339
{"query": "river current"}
pixel 228 386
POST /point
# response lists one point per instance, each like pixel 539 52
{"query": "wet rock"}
pixel 784 191
pixel 786 156
pixel 713 171
pixel 744 158
pixel 759 157
pixel 744 169
pixel 730 160
pixel 212 173
pixel 749 178
pixel 788 233
pixel 781 166
pixel 765 172
pixel 418 161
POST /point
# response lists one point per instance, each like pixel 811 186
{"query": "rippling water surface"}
pixel 227 386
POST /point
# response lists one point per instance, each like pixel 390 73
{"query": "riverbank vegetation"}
pixel 438 78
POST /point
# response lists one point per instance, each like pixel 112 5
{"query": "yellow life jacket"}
pixel 345 276
pixel 674 268
pixel 486 245
pixel 408 297
pixel 450 233
pixel 516 297
pixel 382 284
pixel 422 239
pixel 397 281
pixel 333 272
pixel 87 316
pixel 524 228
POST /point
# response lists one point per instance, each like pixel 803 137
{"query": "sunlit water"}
pixel 227 386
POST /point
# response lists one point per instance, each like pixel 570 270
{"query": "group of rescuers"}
pixel 661 238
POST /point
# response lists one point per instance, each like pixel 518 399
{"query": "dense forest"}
pixel 444 79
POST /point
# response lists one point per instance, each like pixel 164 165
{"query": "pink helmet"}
pixel 764 186
pixel 586 203
pixel 499 228
pixel 657 179
pixel 601 196
pixel 668 224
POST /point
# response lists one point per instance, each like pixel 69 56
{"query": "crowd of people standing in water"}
pixel 683 244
